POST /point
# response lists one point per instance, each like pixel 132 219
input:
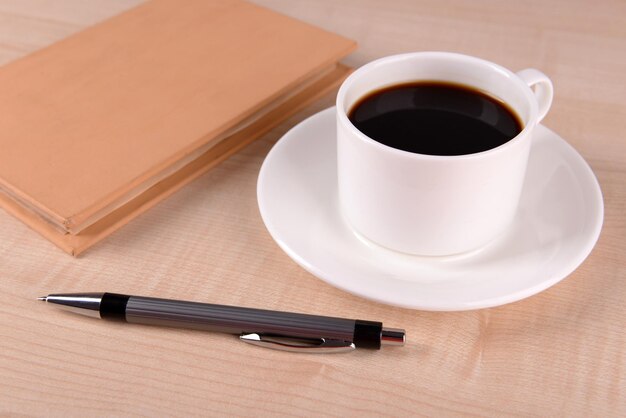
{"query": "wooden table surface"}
pixel 559 353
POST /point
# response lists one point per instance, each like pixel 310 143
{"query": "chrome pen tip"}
pixel 43 298
pixel 393 336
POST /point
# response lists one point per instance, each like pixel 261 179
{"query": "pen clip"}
pixel 298 345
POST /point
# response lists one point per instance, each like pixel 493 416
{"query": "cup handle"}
pixel 542 88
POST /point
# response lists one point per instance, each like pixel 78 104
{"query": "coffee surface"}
pixel 435 118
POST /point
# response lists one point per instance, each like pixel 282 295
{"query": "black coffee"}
pixel 435 118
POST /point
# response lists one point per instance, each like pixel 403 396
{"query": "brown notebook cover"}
pixel 100 126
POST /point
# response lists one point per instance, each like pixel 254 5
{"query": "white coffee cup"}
pixel 427 204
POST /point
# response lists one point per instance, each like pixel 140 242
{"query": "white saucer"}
pixel 558 223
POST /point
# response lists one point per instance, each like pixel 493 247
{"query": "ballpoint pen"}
pixel 273 329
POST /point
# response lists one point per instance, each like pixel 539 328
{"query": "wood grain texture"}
pixel 560 353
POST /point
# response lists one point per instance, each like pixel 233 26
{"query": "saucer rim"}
pixel 596 205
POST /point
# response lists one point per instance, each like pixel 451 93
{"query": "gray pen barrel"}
pixel 235 320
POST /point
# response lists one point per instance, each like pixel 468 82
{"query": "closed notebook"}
pixel 100 126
